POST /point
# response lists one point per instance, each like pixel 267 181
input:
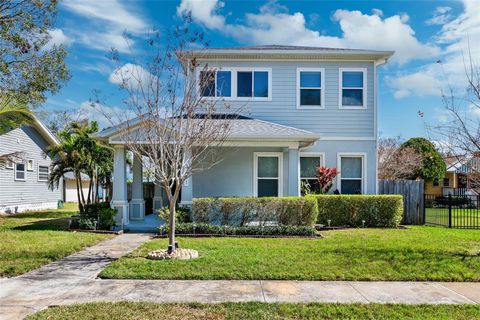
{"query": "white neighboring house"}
pixel 24 183
pixel 70 186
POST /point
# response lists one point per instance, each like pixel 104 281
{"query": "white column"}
pixel 119 195
pixel 187 187
pixel 293 172
pixel 137 204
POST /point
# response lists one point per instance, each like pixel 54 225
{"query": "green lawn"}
pixel 31 239
pixel 256 310
pixel 461 217
pixel 417 253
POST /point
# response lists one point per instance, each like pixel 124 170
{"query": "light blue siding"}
pixel 30 192
pixel 328 122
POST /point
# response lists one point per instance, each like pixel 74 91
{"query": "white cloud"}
pixel 57 38
pixel 131 76
pixel 106 22
pixel 459 36
pixel 419 84
pixel 275 25
pixel 105 116
pixel 377 12
pixel 440 16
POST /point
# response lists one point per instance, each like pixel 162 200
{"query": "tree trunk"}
pixel 80 207
pixel 171 232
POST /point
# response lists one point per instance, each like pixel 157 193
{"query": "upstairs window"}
pixel 309 84
pixel 352 88
pixel 20 171
pixel 216 83
pixel 252 84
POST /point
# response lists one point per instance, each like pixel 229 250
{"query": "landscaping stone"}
pixel 178 254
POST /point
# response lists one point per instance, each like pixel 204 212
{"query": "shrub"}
pixel 296 211
pixel 182 214
pixel 95 216
pixel 350 210
pixel 208 229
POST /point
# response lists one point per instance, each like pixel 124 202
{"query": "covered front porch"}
pixel 258 159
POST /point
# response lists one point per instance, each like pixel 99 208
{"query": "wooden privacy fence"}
pixel 413 200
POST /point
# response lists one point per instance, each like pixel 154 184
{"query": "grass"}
pixel 461 217
pixel 417 253
pixel 256 310
pixel 32 239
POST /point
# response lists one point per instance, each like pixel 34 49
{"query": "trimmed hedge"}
pixel 294 211
pixel 350 210
pixel 208 229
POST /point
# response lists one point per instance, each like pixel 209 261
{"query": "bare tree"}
pixel 459 136
pixel 395 161
pixel 176 129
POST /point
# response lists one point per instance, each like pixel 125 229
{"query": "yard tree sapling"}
pixel 396 161
pixel 176 130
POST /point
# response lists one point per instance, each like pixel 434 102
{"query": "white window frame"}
pixel 233 82
pixel 320 155
pixel 361 155
pixel 38 173
pixel 199 89
pixel 257 155
pixel 340 88
pixel 24 171
pixel 9 164
pixel 30 165
pixel 322 88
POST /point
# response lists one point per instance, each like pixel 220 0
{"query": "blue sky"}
pixel 421 32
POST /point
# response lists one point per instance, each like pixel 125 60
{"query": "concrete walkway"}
pixel 74 280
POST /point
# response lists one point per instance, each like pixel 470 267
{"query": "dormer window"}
pixel 216 83
pixel 352 93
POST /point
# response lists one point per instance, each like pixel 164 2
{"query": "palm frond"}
pixel 13 114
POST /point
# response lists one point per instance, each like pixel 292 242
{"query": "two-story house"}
pixel 306 106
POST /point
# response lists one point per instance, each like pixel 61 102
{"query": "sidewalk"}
pixel 73 280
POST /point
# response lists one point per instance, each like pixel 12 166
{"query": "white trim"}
pixel 340 138
pixel 233 83
pixel 340 87
pixel 375 123
pixel 363 156
pixel 28 164
pixel 24 171
pixel 38 172
pixel 279 155
pixel 322 88
pixel 28 207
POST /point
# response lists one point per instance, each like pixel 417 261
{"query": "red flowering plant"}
pixel 325 178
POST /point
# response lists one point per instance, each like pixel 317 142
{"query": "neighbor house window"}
pixel 43 172
pixel 30 165
pixel 352 88
pixel 351 174
pixel 253 84
pixel 446 182
pixel 309 84
pixel 9 164
pixel 20 171
pixel 308 171
pixel 216 83
pixel 268 174
pixel 435 182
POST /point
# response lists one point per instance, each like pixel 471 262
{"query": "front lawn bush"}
pixel 208 229
pixel 350 210
pixel 295 211
pixel 96 216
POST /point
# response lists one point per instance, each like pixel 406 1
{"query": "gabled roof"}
pixel 287 52
pixel 43 130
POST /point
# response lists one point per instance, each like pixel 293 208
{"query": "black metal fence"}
pixel 452 211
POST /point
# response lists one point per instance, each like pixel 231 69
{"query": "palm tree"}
pixel 13 115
